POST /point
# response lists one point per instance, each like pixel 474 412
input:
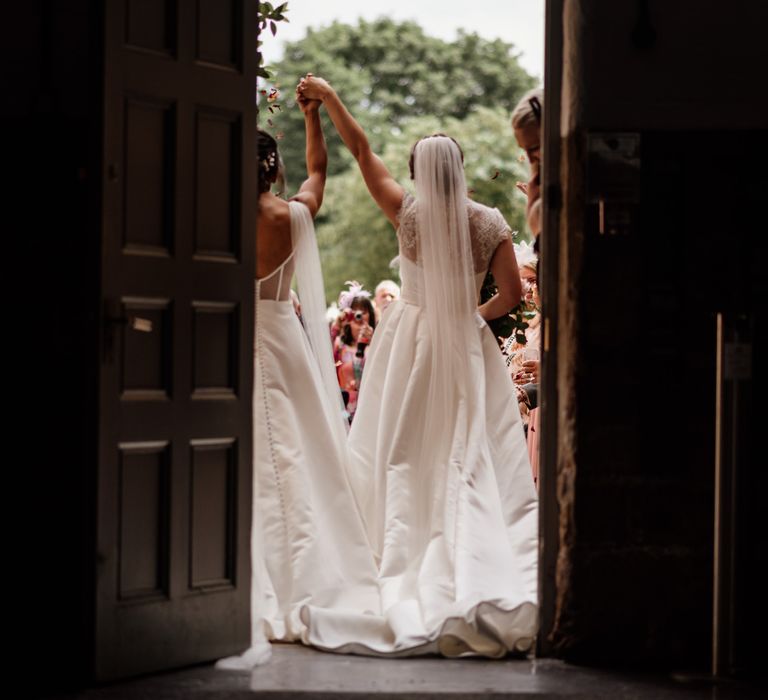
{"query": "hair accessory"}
pixel 269 162
pixel 535 108
pixel 355 290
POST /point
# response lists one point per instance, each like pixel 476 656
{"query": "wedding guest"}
pixel 357 321
pixel 386 292
pixel 523 357
pixel 522 370
pixel 334 318
pixel 526 124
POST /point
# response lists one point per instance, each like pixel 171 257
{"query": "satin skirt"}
pixel 455 542
pixel 309 546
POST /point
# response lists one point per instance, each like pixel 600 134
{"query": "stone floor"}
pixel 298 672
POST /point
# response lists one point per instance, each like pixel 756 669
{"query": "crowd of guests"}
pixel 352 323
pixel 523 358
pixel 523 354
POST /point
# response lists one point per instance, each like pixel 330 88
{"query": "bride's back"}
pixel 274 249
pixel 273 234
pixel 487 228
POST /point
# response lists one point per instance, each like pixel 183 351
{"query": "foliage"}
pixel 389 72
pixel 357 242
pixel 267 15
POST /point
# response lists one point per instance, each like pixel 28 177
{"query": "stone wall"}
pixel 636 318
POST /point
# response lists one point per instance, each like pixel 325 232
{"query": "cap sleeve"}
pixel 406 226
pixel 502 230
pixel 490 229
pixel 408 199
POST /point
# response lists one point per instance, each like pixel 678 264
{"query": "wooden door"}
pixel 177 261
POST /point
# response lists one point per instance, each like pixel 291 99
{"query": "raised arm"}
pixel 384 189
pixel 312 189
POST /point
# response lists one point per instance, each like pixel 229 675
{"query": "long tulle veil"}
pixel 450 303
pixel 309 278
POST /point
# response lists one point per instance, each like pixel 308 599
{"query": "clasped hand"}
pixel 312 88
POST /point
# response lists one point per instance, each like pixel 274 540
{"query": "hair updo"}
pixel 413 150
pixel 268 160
pixel 528 109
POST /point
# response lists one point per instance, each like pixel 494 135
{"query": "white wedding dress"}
pixel 308 544
pixel 462 579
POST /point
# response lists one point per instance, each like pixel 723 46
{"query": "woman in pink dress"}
pixel 357 322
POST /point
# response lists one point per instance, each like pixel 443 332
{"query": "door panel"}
pixel 217 39
pixel 217 164
pixel 149 24
pixel 148 184
pixel 143 519
pixel 176 376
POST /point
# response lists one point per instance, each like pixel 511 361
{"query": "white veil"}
pixel 450 296
pixel 309 278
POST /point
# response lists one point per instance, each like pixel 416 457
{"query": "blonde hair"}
pixel 525 112
pixel 534 217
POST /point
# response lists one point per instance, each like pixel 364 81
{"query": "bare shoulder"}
pixel 274 211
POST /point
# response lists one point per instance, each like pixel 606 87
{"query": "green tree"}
pixel 357 242
pixel 388 72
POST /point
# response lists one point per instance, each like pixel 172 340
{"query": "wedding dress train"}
pixel 450 510
pixel 421 536
pixel 308 544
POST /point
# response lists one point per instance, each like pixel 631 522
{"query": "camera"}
pixel 350 315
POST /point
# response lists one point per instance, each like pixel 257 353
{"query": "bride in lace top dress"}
pixel 438 459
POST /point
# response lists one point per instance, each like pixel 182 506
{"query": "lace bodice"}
pixel 487 228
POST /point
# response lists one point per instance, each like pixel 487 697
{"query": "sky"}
pixel 519 22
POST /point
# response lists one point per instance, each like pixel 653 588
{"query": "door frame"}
pixel 549 509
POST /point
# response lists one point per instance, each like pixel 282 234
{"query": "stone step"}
pixel 298 672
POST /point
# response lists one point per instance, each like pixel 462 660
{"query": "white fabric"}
pixel 487 229
pixel 308 544
pixel 309 279
pixel 450 507
pixel 444 253
pixel 426 540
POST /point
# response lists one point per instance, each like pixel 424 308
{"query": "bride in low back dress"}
pixel 438 459
pixel 308 544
